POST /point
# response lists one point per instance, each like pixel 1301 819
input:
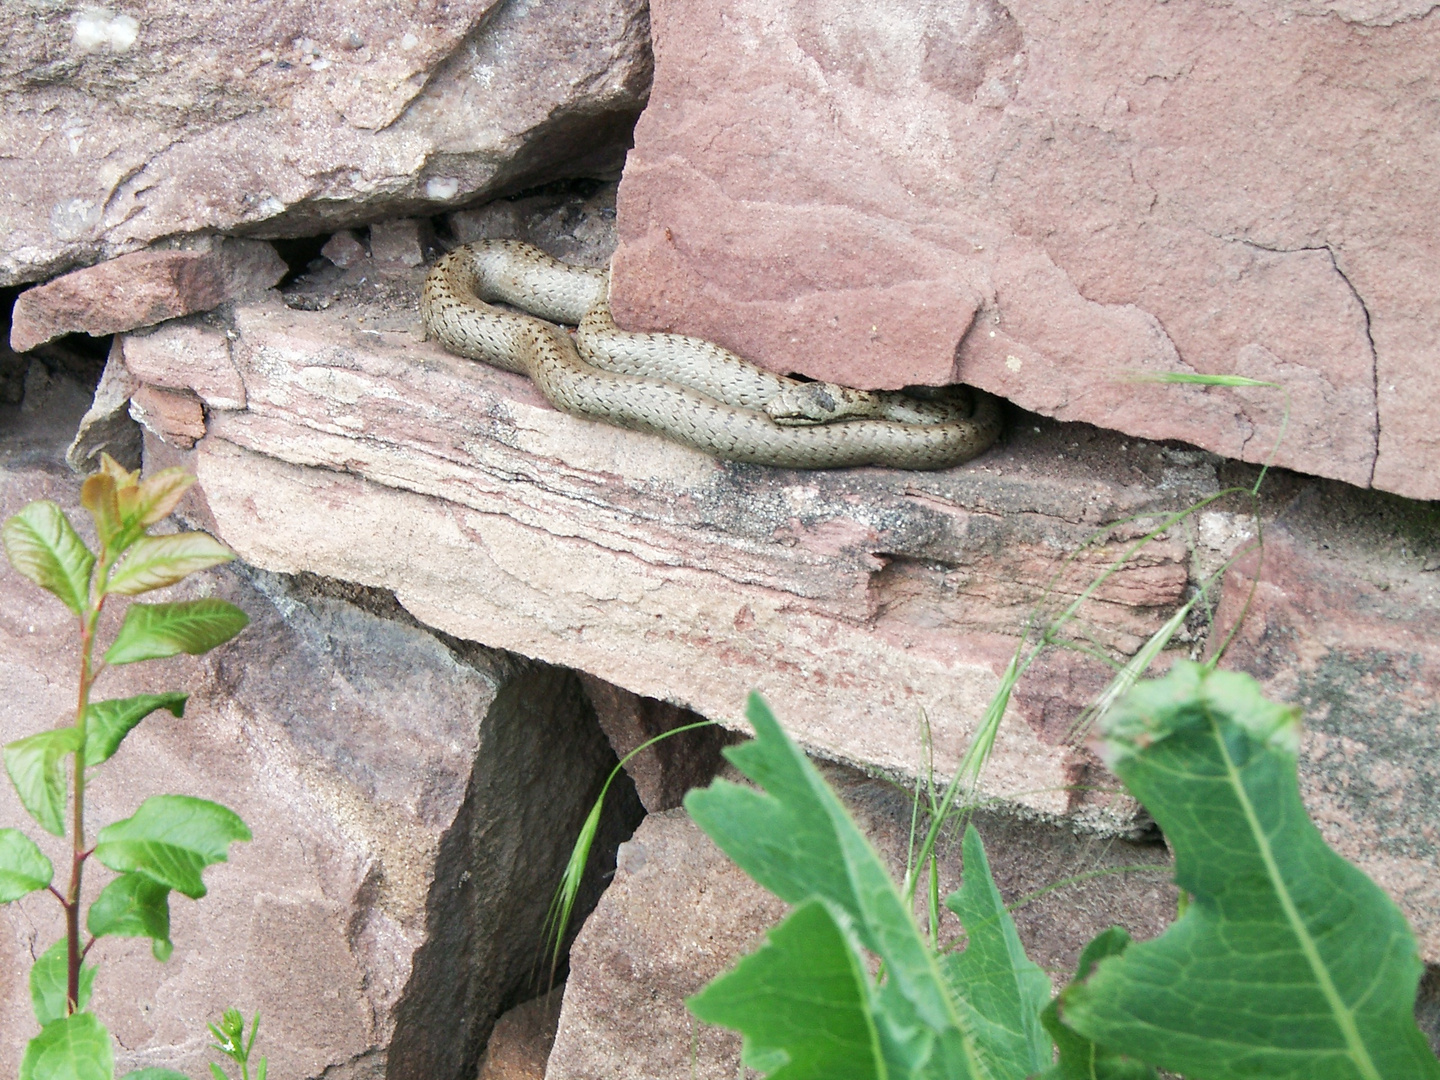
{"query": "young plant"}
pixel 230 1040
pixel 1287 963
pixel 170 839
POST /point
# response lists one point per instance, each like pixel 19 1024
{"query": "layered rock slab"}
pixel 865 604
pixel 1043 201
pixel 288 118
pixel 853 599
pixel 412 800
pixel 680 913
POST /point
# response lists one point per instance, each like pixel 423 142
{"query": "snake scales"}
pixel 685 389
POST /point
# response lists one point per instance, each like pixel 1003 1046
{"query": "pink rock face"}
pixel 1044 201
pixel 187 356
pixel 133 290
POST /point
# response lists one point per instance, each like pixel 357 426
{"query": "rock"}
pixel 107 426
pixel 866 604
pixel 1044 202
pixel 295 121
pixel 520 1044
pixel 250 266
pixel 189 354
pixel 133 290
pixel 412 799
pixel 179 419
pixel 345 250
pixel 142 289
pixel 576 225
pixel 403 242
pixel 662 773
pixel 1353 636
pixel 680 913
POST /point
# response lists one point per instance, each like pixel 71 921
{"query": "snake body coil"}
pixel 685 389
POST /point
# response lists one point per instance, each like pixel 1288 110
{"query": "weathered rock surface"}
pixel 107 426
pixel 520 1044
pixel 412 800
pixel 679 913
pixel 862 603
pixel 289 119
pixel 142 289
pixel 1041 200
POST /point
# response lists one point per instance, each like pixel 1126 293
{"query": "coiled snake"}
pixel 685 389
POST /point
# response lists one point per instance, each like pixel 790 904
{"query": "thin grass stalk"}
pixel 562 904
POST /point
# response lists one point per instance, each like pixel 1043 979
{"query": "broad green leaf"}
pixel 1081 1059
pixel 23 866
pixel 34 765
pixel 171 839
pixel 155 631
pixel 97 495
pixel 1005 989
pixel 796 839
pixel 801 1002
pixel 43 545
pixel 74 1048
pixel 134 905
pixel 1288 963
pixel 50 982
pixel 156 561
pixel 154 1074
pixel 108 722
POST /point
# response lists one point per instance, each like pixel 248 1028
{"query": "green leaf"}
pixel 34 767
pixel 1081 1059
pixel 134 905
pixel 23 866
pixel 74 1048
pixel 156 561
pixel 43 545
pixel 50 982
pixel 1288 963
pixel 801 1001
pixel 108 722
pixel 1005 989
pixel 171 839
pixel 154 1074
pixel 796 839
pixel 154 631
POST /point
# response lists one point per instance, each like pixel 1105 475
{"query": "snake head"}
pixel 807 403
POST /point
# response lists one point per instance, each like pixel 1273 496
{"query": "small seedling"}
pixel 230 1040
pixel 170 839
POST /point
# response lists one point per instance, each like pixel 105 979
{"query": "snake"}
pixel 692 391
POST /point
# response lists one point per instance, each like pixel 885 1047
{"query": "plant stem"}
pixel 78 852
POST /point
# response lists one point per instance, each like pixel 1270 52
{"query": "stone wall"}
pixel 467 604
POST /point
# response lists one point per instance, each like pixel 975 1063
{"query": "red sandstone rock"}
pixel 402 242
pixel 520 1045
pixel 134 290
pixel 345 250
pixel 187 356
pixel 144 288
pixel 1042 199
pixel 177 418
